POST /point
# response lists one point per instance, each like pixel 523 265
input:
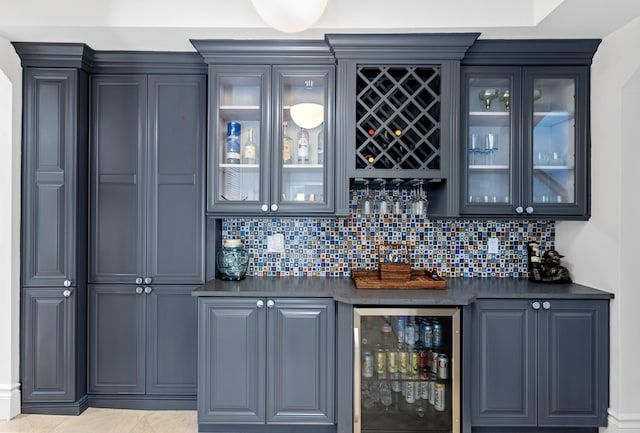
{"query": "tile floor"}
pixel 95 420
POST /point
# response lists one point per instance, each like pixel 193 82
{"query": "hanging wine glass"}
pixel 418 202
pixel 385 205
pixel 366 203
pixel 397 202
pixel 487 96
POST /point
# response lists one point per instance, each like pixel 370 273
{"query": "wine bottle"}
pixel 303 146
pixel 287 142
pixel 250 151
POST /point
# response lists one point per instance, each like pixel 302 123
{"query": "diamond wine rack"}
pixel 398 118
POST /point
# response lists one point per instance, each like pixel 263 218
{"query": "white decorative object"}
pixel 290 16
pixel 307 115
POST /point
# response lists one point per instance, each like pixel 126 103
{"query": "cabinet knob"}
pixel 148 280
pixel 67 283
pixel 260 303
pixel 529 209
pixel 139 280
pixel 519 209
pixel 264 208
pixel 535 305
pixel 66 293
pixel 274 207
pixel 546 305
pixel 139 290
pixel 270 303
pixel 148 290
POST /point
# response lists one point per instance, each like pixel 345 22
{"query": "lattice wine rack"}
pixel 398 117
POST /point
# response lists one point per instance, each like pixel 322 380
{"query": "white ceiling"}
pixel 168 25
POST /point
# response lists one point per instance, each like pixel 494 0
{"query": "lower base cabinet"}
pixel 539 363
pixel 53 371
pixel 265 362
pixel 142 346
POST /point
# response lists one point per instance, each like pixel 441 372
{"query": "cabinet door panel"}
pixel 175 178
pixel 49 203
pixel 300 359
pixel 117 202
pixel 231 350
pixel 573 347
pixel 48 361
pixel 116 340
pixel 172 341
pixel 504 367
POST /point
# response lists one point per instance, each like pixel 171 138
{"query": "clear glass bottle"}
pixel 303 146
pixel 287 142
pixel 233 260
pixel 250 150
pixel 321 147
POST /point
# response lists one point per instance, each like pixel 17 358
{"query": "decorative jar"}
pixel 233 260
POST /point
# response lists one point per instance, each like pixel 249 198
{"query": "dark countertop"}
pixel 459 291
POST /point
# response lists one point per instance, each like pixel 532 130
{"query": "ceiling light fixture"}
pixel 290 16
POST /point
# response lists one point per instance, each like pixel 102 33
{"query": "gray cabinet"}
pixel 525 146
pixel 396 113
pixel 53 231
pixel 142 340
pixel 270 95
pixel 147 189
pixel 49 345
pixel 539 363
pixel 266 361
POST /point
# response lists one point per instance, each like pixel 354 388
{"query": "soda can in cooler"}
pixel 400 329
pixel 437 335
pixel 403 361
pixel 424 390
pixel 410 334
pixel 443 366
pixel 423 359
pixel 409 395
pixel 415 361
pixel 392 364
pixel 380 362
pixel 439 397
pixel 427 335
pixel 233 143
pixel 367 365
pixel 434 362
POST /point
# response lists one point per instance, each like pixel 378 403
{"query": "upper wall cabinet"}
pixel 396 112
pixel 525 129
pixel 270 141
pixel 147 201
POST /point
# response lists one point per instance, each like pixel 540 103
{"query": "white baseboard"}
pixel 9 401
pixel 622 423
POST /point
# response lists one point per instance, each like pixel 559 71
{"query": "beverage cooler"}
pixel 407 370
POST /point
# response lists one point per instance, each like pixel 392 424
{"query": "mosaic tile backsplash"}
pixel 331 247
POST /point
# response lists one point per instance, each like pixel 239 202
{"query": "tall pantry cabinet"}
pixel 146 233
pixel 54 228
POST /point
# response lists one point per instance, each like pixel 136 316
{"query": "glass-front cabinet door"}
pixel 238 145
pixel 270 146
pixel 556 137
pixel 491 99
pixel 304 147
pixel 525 142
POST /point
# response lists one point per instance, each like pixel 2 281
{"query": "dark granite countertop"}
pixel 459 291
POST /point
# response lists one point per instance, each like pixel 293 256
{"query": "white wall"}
pixel 10 127
pixel 603 252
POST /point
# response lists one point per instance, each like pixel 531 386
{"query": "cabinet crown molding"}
pixel 531 52
pixel 238 52
pixel 417 46
pixel 54 55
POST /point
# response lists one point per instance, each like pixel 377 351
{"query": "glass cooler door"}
pixel 407 370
